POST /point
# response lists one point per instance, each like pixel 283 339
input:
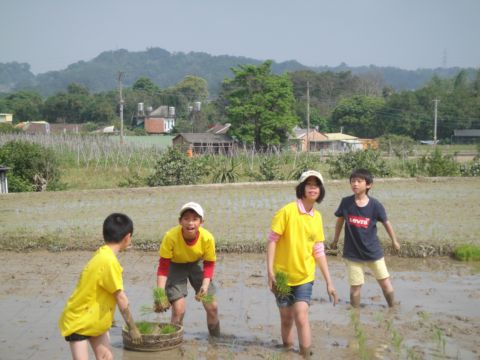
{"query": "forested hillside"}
pixel 166 69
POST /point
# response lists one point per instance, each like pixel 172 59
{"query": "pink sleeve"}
pixel 318 250
pixel 273 236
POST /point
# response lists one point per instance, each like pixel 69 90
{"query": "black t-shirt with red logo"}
pixel 361 240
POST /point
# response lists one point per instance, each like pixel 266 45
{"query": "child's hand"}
pixel 333 245
pixel 332 293
pixel 201 293
pixel 396 245
pixel 271 284
pixel 135 335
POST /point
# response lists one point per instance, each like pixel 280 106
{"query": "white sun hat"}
pixel 305 175
pixel 192 206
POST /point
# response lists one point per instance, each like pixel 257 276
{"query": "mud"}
pixel 437 315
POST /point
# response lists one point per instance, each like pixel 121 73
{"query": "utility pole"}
pixel 435 123
pixel 120 78
pixel 308 116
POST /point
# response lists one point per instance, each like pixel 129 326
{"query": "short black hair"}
pixel 300 190
pixel 116 226
pixel 362 174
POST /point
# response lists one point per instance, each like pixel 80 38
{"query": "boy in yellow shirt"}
pixel 88 314
pixel 295 244
pixel 183 250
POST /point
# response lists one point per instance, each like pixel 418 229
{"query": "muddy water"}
pixel 437 316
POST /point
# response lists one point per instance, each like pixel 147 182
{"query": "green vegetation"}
pixel 259 105
pixel 239 214
pixel 99 162
pixel 281 284
pixel 145 327
pixel 360 335
pixel 160 297
pixel 262 106
pixel 207 298
pixel 175 168
pixel 439 337
pixel 148 328
pixel 100 73
pixel 168 329
pixel 341 166
pixel 467 252
pixel 32 167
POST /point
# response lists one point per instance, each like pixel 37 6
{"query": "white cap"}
pixel 309 173
pixel 192 206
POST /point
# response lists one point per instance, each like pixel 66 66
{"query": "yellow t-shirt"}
pixel 294 250
pixel 177 250
pixel 91 307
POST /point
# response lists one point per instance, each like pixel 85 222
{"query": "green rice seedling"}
pixel 467 252
pixel 160 297
pixel 145 327
pixel 412 355
pixel 423 315
pixel 274 356
pixel 281 284
pixel 389 323
pixel 439 337
pixel 168 329
pixel 359 335
pixel 397 340
pixel 207 298
pixel 145 309
pixel 379 317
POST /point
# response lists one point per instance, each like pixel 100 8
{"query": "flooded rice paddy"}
pixel 437 315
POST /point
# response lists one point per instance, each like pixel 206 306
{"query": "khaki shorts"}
pixel 179 274
pixel 355 270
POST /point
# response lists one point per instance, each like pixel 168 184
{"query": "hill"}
pixel 166 69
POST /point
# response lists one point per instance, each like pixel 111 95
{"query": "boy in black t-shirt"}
pixel 360 214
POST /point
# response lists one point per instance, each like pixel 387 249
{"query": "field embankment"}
pixel 430 215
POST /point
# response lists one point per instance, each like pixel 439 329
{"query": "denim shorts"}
pixel 298 293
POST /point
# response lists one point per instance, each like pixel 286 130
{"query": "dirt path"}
pixel 437 316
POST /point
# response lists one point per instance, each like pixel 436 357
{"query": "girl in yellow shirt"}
pixel 295 244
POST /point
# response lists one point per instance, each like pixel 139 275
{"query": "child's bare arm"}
pixel 391 234
pixel 271 247
pixel 323 265
pixel 161 281
pixel 123 306
pixel 338 230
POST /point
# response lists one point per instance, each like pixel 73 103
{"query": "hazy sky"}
pixel 410 34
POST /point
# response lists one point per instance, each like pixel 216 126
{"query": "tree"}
pixel 24 105
pixel 79 106
pixel 145 84
pixel 358 115
pixel 405 115
pixel 175 168
pixel 259 105
pixel 33 167
pixel 194 88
